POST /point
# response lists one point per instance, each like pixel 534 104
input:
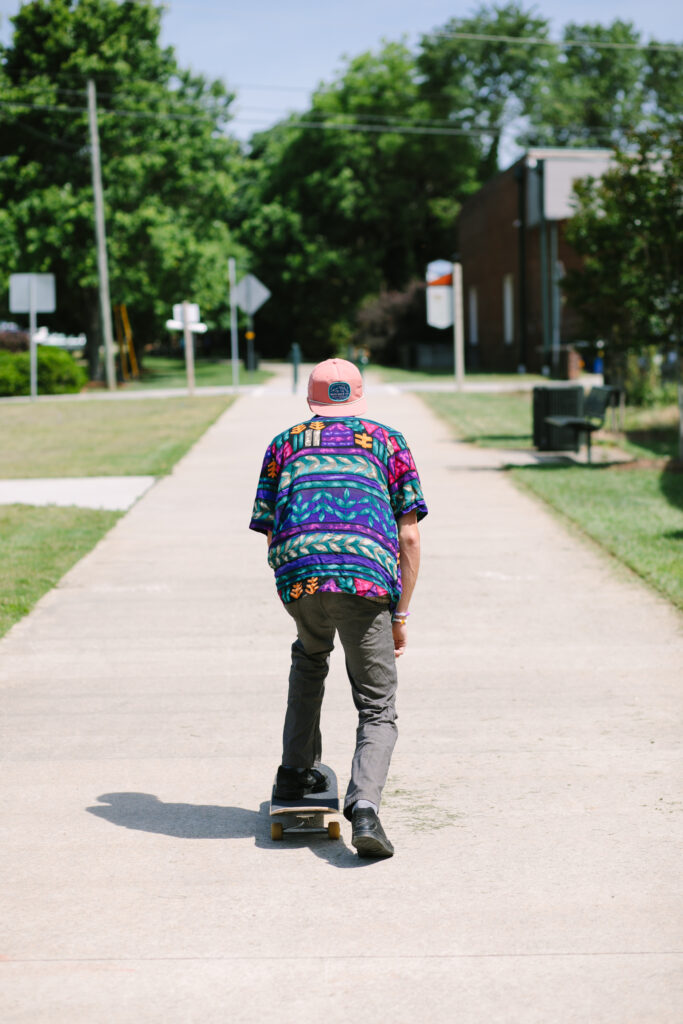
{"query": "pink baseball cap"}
pixel 335 388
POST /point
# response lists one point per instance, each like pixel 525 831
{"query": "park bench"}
pixel 594 411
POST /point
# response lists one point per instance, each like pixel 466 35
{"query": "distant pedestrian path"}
pixel 116 493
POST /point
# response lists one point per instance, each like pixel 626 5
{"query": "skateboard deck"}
pixel 314 813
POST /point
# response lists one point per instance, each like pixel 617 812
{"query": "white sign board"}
pixel 179 325
pixel 32 293
pixel 438 268
pixel 250 294
pixel 439 296
pixel 192 312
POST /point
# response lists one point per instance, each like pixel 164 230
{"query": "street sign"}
pixel 444 307
pixel 32 294
pixel 23 288
pixel 186 319
pixel 179 325
pixel 250 294
pixel 192 312
pixel 439 293
pixel 437 269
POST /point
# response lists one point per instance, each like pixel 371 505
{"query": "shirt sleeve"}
pixel 263 512
pixel 405 489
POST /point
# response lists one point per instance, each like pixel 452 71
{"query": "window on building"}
pixel 508 309
pixel 473 315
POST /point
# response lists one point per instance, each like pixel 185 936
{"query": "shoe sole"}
pixel 370 846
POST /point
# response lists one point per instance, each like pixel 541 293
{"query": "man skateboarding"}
pixel 339 499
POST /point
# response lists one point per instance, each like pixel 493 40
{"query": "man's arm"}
pixel 409 548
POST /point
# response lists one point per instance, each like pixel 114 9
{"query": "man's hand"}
pixel 400 631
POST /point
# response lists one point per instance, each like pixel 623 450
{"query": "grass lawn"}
pixel 76 438
pixel 497 420
pixel 395 375
pixel 635 513
pixel 139 437
pixel 169 372
pixel 37 547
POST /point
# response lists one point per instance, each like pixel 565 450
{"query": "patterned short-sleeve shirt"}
pixel 331 490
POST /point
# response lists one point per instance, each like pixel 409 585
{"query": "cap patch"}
pixel 339 391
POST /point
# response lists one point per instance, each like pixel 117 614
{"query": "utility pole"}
pixel 458 327
pixel 102 268
pixel 189 347
pixel 234 347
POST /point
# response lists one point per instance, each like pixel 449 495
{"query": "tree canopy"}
pixel 345 202
pixel 167 165
pixel 628 228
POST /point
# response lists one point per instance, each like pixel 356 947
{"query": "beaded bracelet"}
pixel 400 617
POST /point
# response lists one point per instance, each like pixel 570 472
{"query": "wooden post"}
pixel 189 348
pixel 458 327
pixel 102 267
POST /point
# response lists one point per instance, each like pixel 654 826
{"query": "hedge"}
pixel 58 373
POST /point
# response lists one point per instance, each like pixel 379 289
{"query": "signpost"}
pixel 250 294
pixel 32 294
pixel 186 319
pixel 444 308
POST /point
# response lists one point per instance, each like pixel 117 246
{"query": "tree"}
pixel 483 85
pixel 599 95
pixel 356 196
pixel 628 229
pixel 168 168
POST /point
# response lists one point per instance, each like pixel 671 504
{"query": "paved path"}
pixel 534 799
pixel 117 493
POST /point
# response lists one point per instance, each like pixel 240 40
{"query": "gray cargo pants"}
pixel 364 629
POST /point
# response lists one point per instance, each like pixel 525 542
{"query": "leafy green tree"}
pixel 599 95
pixel 484 85
pixel 168 169
pixel 357 198
pixel 628 229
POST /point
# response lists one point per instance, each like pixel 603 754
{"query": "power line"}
pixel 108 110
pixel 596 44
pixel 371 123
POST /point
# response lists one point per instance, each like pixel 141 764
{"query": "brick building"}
pixel 511 238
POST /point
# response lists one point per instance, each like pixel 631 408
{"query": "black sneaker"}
pixel 368 835
pixel 293 783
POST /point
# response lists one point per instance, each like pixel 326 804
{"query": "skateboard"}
pixel 310 814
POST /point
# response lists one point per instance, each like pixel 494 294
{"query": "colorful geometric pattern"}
pixel 331 490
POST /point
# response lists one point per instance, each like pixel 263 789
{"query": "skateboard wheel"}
pixel 334 830
pixel 276 830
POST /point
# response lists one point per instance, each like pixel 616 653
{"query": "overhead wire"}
pixel 397 126
pixel 593 44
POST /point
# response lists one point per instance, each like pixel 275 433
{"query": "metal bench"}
pixel 594 411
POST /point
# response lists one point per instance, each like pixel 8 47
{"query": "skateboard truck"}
pixel 308 816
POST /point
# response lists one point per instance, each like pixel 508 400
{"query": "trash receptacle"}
pixel 557 401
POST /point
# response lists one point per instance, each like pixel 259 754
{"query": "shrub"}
pixel 58 373
pixel 14 341
pixel 10 378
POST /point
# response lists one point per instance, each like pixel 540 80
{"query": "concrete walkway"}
pixel 534 798
pixel 116 493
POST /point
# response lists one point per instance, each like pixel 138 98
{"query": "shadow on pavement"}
pixel 144 812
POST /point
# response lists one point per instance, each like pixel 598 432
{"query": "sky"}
pixel 274 53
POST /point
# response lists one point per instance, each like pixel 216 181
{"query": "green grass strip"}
pixel 170 372
pixel 396 375
pixel 72 439
pixel 136 437
pixel 37 547
pixel 497 420
pixel 636 514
